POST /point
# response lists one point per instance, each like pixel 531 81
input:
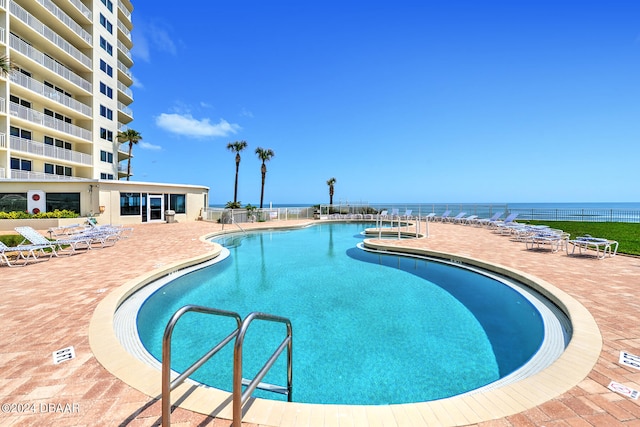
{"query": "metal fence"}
pixel 229 216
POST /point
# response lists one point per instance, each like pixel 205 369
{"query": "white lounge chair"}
pixel 407 214
pixel 35 238
pixel 24 253
pixel 587 242
pixel 467 220
pixel 508 221
pixel 443 217
pixel 430 217
pixel 487 221
pixel 455 218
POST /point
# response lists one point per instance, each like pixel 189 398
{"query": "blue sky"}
pixel 407 101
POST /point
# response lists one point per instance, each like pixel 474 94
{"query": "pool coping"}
pixel 567 371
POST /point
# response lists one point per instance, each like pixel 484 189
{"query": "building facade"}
pixel 62 106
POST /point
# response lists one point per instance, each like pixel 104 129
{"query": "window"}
pixel 106 134
pixel 109 4
pixel 106 112
pixel 20 164
pixel 57 89
pixel 106 90
pixel 175 202
pixel 106 24
pixel 57 170
pixel 106 45
pixel 106 176
pixel 19 101
pixel 108 69
pixel 57 142
pixel 57 116
pixel 130 204
pixel 11 202
pixel 20 133
pixel 106 157
pixel 61 201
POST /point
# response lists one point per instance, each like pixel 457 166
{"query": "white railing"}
pixel 39 57
pixel 39 118
pixel 66 19
pixel 125 70
pixel 2 173
pixel 2 106
pixel 124 30
pixel 42 149
pixel 82 8
pixel 124 10
pixel 49 34
pixel 39 88
pixel 124 109
pixel 123 168
pixel 3 4
pixel 3 140
pixel 41 176
pixel 2 37
pixel 125 50
pixel 125 89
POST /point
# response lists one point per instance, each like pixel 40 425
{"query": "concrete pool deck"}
pixel 48 306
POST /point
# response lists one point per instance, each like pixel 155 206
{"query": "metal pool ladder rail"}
pixel 239 398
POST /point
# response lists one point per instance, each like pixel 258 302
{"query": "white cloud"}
pixel 148 146
pixel 185 124
pixel 136 83
pixel 150 36
pixel 246 113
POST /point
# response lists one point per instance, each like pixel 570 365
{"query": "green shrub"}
pixel 25 215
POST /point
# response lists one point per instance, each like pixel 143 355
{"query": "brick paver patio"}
pixel 47 306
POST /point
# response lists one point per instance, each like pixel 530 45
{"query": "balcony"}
pixel 124 11
pixel 84 10
pixel 47 62
pixel 126 91
pixel 2 106
pixel 125 51
pixel 41 176
pixel 2 173
pixel 42 119
pixel 125 70
pixel 50 93
pixel 3 140
pixel 125 110
pixel 66 20
pixel 49 34
pixel 122 170
pixel 45 150
pixel 125 32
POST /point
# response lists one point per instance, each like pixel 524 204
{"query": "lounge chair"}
pixel 487 221
pixel 468 220
pixel 508 221
pixel 443 217
pixel 407 214
pixel 430 217
pixel 25 253
pixel 395 214
pixel 56 246
pixel 587 242
pixel 455 218
pixel 554 239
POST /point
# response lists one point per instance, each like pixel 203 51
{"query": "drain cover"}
pixel 63 354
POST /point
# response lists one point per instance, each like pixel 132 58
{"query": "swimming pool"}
pixel 440 340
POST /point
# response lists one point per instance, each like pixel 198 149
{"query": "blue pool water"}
pixel 367 328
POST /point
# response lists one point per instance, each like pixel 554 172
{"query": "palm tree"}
pixel 236 147
pixel 330 183
pixel 133 137
pixel 6 66
pixel 264 154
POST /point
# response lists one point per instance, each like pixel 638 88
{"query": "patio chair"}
pixel 395 214
pixel 430 217
pixel 487 221
pixel 508 221
pixel 56 246
pixel 455 218
pixel 8 252
pixel 468 220
pixel 407 214
pixel 442 217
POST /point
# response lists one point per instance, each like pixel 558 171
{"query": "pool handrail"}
pixel 240 397
pixel 167 384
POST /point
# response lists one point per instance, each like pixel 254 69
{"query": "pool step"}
pixel 268 387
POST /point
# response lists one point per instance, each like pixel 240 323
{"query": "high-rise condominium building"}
pixel 61 108
pixel 69 93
